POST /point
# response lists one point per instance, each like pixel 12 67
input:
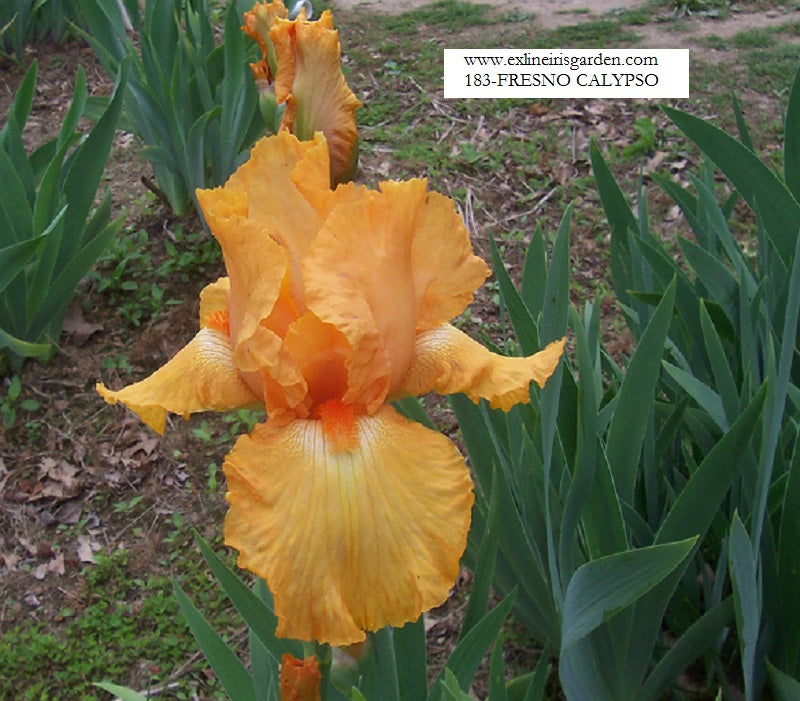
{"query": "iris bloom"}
pixel 300 679
pixel 301 64
pixel 336 303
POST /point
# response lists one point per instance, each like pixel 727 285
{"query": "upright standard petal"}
pixel 383 267
pixel 349 536
pixel 446 271
pixel 309 81
pixel 447 361
pixel 262 199
pixel 358 277
pixel 200 377
pixel 255 262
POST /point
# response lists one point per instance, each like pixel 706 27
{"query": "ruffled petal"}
pixel 310 81
pixel 200 377
pixel 267 201
pixel 256 263
pixel 384 267
pixel 300 680
pixel 351 539
pixel 310 368
pixel 318 193
pixel 448 361
pixel 358 277
pixel 446 271
pixel 257 23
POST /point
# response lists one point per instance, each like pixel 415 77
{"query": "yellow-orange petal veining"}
pixel 353 539
pixel 200 377
pixel 447 361
pixel 310 82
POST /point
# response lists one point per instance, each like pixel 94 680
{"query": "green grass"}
pixel 772 69
pixel 766 62
pixel 124 618
pixel 754 39
pixel 638 15
pixel 715 8
pixel 588 35
pixel 714 41
pixel 452 15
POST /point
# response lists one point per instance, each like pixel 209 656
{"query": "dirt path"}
pixel 694 28
pixel 550 14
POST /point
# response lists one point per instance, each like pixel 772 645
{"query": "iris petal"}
pixel 200 377
pixel 383 267
pixel 300 679
pixel 255 262
pixel 446 271
pixel 214 301
pixel 257 23
pixel 309 81
pixel 358 277
pixel 348 540
pixel 275 204
pixel 447 361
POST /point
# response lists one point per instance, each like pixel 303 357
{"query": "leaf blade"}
pixel 614 582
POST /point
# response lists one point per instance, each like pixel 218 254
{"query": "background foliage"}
pixel 23 21
pixel 49 237
pixel 192 102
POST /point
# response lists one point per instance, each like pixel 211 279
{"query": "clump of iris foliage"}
pixel 23 21
pixel 49 234
pixel 191 100
pixel 197 125
pixel 640 515
pixel 647 516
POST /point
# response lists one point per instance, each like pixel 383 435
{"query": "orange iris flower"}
pixel 301 63
pixel 336 303
pixel 300 679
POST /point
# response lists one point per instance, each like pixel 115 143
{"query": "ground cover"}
pixel 97 513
